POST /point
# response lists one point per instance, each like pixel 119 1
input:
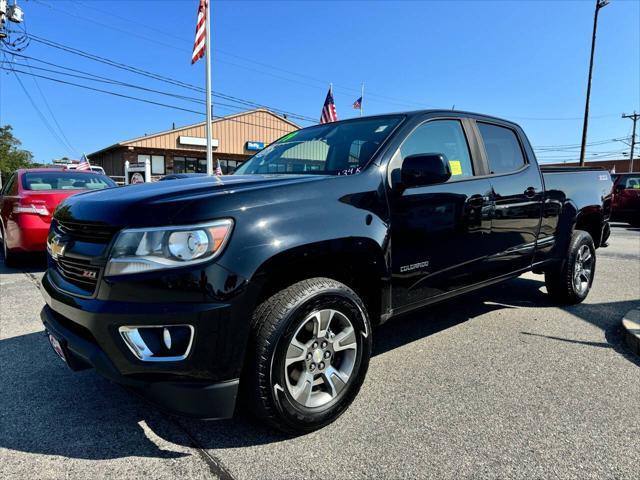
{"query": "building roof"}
pixel 228 118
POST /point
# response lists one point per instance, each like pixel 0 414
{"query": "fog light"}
pixel 166 336
pixel 158 343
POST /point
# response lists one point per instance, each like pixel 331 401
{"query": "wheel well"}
pixel 361 271
pixel 592 224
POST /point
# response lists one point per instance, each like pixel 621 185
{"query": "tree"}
pixel 12 156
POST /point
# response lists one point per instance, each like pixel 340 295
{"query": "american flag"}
pixel 199 44
pixel 84 164
pixel 357 105
pixel 329 109
pixel 219 170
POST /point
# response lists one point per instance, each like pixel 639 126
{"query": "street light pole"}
pixel 599 5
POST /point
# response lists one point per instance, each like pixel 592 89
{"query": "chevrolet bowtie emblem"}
pixel 56 247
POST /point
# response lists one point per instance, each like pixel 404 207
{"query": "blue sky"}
pixel 522 60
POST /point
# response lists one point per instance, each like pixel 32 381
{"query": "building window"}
pixel 227 166
pixel 179 165
pixel 157 165
pixel 189 165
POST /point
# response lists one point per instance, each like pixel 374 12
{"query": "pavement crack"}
pixel 215 465
pixel 33 279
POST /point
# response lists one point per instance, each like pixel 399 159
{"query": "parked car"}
pixel 267 283
pixel 28 200
pixel 179 176
pixel 626 198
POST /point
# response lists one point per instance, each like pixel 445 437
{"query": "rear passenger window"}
pixel 441 136
pixel 503 149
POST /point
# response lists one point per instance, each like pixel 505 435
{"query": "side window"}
pixel 633 182
pixel 503 149
pixel 441 136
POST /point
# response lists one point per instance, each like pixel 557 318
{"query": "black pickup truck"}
pixel 267 284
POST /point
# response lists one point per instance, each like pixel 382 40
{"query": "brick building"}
pixel 183 150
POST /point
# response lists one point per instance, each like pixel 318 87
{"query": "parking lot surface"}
pixel 500 383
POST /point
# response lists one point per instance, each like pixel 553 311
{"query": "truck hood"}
pixel 163 203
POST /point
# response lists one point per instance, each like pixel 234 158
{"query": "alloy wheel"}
pixel 320 358
pixel 582 269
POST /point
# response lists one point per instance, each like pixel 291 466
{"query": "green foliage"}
pixel 12 156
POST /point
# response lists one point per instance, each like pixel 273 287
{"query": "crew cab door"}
pixel 517 193
pixel 439 232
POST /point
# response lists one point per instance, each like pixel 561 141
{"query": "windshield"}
pixel 68 180
pixel 340 148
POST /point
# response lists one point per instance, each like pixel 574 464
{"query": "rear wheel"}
pixel 310 350
pixel 571 281
pixel 10 259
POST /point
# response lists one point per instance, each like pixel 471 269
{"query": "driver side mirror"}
pixel 425 169
pixel 618 188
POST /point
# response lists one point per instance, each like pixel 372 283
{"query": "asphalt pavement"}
pixel 500 383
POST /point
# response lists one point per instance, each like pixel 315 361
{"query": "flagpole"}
pixel 361 97
pixel 208 86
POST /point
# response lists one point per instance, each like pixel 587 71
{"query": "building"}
pixel 621 166
pixel 183 150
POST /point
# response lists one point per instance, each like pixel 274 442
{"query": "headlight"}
pixel 140 250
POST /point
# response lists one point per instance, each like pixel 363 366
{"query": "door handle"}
pixel 530 192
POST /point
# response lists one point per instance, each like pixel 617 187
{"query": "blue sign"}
pixel 254 146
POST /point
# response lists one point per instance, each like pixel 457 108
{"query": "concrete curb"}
pixel 631 330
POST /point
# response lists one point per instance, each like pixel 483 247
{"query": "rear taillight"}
pixel 33 207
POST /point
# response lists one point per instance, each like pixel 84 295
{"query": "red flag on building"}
pixel 199 44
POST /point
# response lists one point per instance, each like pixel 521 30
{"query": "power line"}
pixel 55 120
pixel 385 98
pixel 100 79
pixel 162 78
pixel 160 104
pixel 39 112
pixel 571 145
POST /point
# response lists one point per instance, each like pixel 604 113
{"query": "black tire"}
pixel 10 258
pixel 561 281
pixel 275 323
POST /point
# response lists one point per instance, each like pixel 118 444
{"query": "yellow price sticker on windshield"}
pixel 456 167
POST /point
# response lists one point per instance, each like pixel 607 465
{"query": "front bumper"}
pixel 197 399
pixel 204 385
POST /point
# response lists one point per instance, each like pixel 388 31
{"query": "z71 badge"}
pixel 414 266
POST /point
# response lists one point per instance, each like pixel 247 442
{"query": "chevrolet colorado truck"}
pixel 266 285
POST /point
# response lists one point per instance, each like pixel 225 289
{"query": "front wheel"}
pixel 570 282
pixel 309 353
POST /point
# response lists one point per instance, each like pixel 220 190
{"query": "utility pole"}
pixel 599 5
pixel 633 117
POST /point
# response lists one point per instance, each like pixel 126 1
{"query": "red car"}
pixel 28 200
pixel 626 198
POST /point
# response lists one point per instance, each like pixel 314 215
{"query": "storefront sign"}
pixel 197 141
pixel 254 146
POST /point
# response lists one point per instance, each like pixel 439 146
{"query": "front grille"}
pixel 79 273
pixel 87 232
